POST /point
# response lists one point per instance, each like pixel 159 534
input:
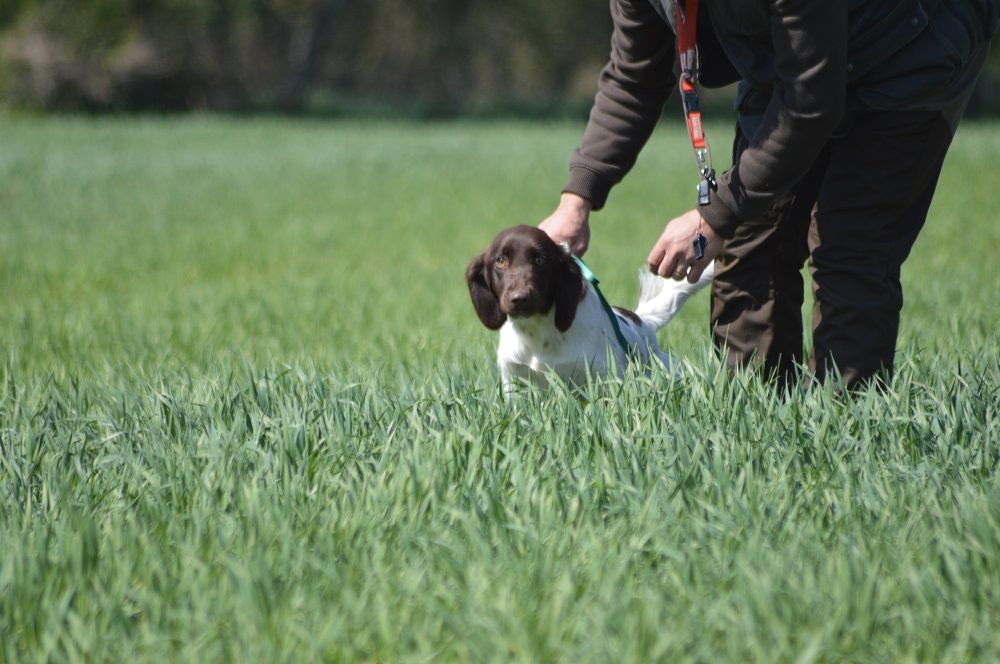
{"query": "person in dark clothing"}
pixel 845 111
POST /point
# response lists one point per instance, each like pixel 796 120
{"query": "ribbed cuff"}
pixel 588 184
pixel 719 216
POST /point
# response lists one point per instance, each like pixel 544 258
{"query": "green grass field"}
pixel 247 413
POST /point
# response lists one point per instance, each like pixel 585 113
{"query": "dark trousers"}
pixel 854 216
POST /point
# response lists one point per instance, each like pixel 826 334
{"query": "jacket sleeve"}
pixel 810 61
pixel 632 89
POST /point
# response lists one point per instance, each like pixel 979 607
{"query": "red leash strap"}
pixel 687 51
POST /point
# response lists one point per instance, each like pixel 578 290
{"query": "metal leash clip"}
pixel 707 184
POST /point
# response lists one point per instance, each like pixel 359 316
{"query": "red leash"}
pixel 687 50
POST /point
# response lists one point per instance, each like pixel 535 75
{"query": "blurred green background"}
pixel 420 57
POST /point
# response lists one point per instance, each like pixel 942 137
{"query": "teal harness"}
pixel 592 278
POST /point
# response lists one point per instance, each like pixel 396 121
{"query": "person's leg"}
pixel 872 203
pixel 757 292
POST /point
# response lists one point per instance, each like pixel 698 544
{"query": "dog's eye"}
pixel 539 259
pixel 501 261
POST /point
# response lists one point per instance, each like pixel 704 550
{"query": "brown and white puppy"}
pixel 551 319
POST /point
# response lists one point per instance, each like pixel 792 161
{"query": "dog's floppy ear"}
pixel 483 298
pixel 567 289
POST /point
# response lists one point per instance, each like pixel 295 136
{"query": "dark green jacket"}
pixel 805 67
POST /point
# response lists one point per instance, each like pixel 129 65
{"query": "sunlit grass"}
pixel 247 413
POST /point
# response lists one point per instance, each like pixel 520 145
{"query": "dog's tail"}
pixel 660 299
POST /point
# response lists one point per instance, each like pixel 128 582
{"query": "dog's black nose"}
pixel 519 297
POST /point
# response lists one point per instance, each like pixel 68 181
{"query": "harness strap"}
pixel 593 280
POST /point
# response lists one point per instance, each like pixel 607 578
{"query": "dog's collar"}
pixel 593 281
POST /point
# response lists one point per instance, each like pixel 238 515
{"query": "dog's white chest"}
pixel 531 347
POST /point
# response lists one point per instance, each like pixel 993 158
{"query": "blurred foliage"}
pixel 417 56
pixel 432 55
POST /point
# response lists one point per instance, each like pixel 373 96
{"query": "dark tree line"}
pixel 420 56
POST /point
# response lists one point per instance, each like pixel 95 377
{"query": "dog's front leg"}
pixel 512 372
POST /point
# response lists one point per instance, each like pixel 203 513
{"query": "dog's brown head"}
pixel 523 273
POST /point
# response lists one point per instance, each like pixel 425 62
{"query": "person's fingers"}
pixel 681 267
pixel 662 260
pixel 694 274
pixel 667 266
pixel 580 241
pixel 574 232
pixel 655 258
pixel 671 256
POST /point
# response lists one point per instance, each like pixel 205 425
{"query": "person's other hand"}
pixel 570 223
pixel 673 254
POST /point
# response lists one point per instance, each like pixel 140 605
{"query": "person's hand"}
pixel 570 223
pixel 673 254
